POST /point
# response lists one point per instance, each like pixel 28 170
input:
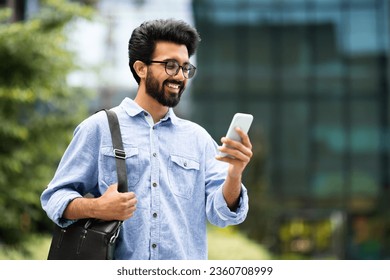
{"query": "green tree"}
pixel 38 111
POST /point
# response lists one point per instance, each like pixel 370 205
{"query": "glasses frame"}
pixel 169 71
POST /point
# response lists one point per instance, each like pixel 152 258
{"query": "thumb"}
pixel 112 188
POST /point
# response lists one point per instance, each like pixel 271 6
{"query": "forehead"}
pixel 169 50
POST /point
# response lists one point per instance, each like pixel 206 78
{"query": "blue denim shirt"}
pixel 172 170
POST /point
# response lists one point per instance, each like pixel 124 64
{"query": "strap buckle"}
pixel 120 154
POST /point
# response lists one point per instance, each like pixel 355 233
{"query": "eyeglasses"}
pixel 172 67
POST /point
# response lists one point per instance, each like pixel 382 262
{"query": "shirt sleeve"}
pixel 77 173
pixel 217 210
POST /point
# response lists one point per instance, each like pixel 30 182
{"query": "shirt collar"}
pixel 172 116
pixel 133 109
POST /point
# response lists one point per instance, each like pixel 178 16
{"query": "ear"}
pixel 140 68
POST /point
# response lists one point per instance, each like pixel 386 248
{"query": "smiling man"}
pixel 176 179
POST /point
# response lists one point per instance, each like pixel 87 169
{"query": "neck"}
pixel 151 105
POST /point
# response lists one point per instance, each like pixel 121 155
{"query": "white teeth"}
pixel 175 86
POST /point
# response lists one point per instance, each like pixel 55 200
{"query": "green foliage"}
pixel 33 247
pixel 38 112
pixel 229 244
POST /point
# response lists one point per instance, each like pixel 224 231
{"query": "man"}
pixel 176 179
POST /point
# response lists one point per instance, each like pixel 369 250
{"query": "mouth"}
pixel 174 85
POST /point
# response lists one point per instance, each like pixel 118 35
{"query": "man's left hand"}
pixel 238 153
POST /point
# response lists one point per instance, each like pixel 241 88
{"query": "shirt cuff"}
pixel 59 202
pixel 225 213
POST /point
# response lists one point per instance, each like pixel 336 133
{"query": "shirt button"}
pixel 145 114
pixel 154 245
pixel 155 154
pixel 185 164
pixel 154 184
pixel 154 215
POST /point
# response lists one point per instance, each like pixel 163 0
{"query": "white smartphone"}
pixel 242 121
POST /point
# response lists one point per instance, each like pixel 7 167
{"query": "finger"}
pixel 128 201
pixel 244 138
pixel 132 209
pixel 129 215
pixel 225 159
pixel 128 207
pixel 230 145
pixel 238 154
pixel 129 195
pixel 133 202
pixel 231 160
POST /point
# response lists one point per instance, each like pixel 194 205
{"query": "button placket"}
pixel 155 196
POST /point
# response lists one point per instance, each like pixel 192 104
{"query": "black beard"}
pixel 154 90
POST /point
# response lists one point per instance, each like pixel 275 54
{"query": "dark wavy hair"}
pixel 143 40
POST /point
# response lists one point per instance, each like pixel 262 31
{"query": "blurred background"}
pixel 314 73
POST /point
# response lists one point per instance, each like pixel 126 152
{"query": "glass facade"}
pixel 315 75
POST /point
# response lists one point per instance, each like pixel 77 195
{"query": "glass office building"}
pixel 315 75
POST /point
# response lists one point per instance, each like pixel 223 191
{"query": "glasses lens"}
pixel 172 67
pixel 189 70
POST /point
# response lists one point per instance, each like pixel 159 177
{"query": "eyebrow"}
pixel 168 59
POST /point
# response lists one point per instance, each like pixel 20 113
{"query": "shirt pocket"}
pixel 182 175
pixel 109 165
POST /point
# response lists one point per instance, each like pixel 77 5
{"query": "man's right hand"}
pixel 112 205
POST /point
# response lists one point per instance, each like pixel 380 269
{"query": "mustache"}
pixel 180 83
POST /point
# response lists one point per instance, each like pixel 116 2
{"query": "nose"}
pixel 181 76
